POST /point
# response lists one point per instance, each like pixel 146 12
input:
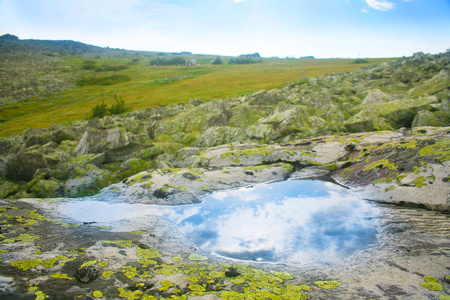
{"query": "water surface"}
pixel 295 221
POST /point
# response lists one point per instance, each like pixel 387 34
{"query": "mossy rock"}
pixel 47 188
pixel 426 118
pixel 8 189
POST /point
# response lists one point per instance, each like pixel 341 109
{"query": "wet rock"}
pixel 87 274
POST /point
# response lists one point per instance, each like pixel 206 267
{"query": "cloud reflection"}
pixel 297 221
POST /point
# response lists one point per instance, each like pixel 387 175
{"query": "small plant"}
pixel 119 107
pixel 99 111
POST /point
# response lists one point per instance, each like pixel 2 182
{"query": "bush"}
pixel 168 62
pixel 361 61
pixel 99 111
pixel 217 61
pixel 119 107
pixel 104 80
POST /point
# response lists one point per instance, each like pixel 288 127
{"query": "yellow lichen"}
pixel 129 295
pixel 26 264
pixel 97 294
pixel 49 263
pixel 61 276
pixel 66 261
pixel 177 258
pixel 146 254
pixel 168 270
pixel 432 283
pixel 197 257
pixel 107 274
pixel 139 232
pixel 166 285
pixel 103 264
pixel 40 295
pixel 382 163
pixel 328 284
pixel 129 272
pixel 121 244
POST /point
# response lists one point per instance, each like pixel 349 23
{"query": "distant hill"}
pixel 11 43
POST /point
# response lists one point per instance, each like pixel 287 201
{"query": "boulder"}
pixel 8 188
pixel 266 97
pixel 23 165
pixel 219 135
pixel 375 96
pixel 425 118
pixel 98 141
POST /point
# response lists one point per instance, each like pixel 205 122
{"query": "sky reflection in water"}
pixel 295 221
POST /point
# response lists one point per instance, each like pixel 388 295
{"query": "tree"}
pixel 217 61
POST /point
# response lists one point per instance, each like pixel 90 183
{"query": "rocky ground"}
pixel 44 255
pixel 176 154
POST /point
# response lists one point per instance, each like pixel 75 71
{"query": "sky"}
pixel 282 28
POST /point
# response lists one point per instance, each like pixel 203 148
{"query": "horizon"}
pixel 289 28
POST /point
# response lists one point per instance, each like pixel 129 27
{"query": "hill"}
pixel 53 82
pixel 82 157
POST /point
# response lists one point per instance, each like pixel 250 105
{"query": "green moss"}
pixel 328 284
pixel 138 232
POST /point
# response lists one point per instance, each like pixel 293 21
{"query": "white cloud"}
pixel 380 4
pixel 364 10
pixel 236 1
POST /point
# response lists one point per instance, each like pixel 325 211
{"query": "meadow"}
pixel 142 85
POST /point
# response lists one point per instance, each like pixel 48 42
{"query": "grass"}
pixel 151 86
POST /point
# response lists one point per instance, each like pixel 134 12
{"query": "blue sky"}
pixel 322 28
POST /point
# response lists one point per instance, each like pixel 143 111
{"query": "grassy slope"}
pixel 149 88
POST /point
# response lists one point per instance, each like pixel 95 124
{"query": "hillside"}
pixel 82 157
pixel 53 82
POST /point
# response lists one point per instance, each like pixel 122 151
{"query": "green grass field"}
pixel 157 85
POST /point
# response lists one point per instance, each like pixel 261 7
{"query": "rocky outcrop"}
pixel 410 92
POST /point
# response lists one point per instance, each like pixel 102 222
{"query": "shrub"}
pixel 88 64
pixel 361 61
pixel 119 107
pixel 103 80
pixel 99 111
pixel 217 61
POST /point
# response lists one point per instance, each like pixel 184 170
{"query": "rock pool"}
pixel 294 221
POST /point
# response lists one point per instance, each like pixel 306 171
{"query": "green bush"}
pixel 217 61
pixel 361 61
pixel 99 111
pixel 119 107
pixel 104 80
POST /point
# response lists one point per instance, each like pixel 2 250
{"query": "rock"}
pixel 23 165
pixel 8 189
pixel 220 135
pixel 5 146
pixel 98 141
pixel 87 274
pixel 266 97
pixel 425 118
pixel 431 86
pixel 195 102
pixel 85 180
pixel 47 188
pixel 375 96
